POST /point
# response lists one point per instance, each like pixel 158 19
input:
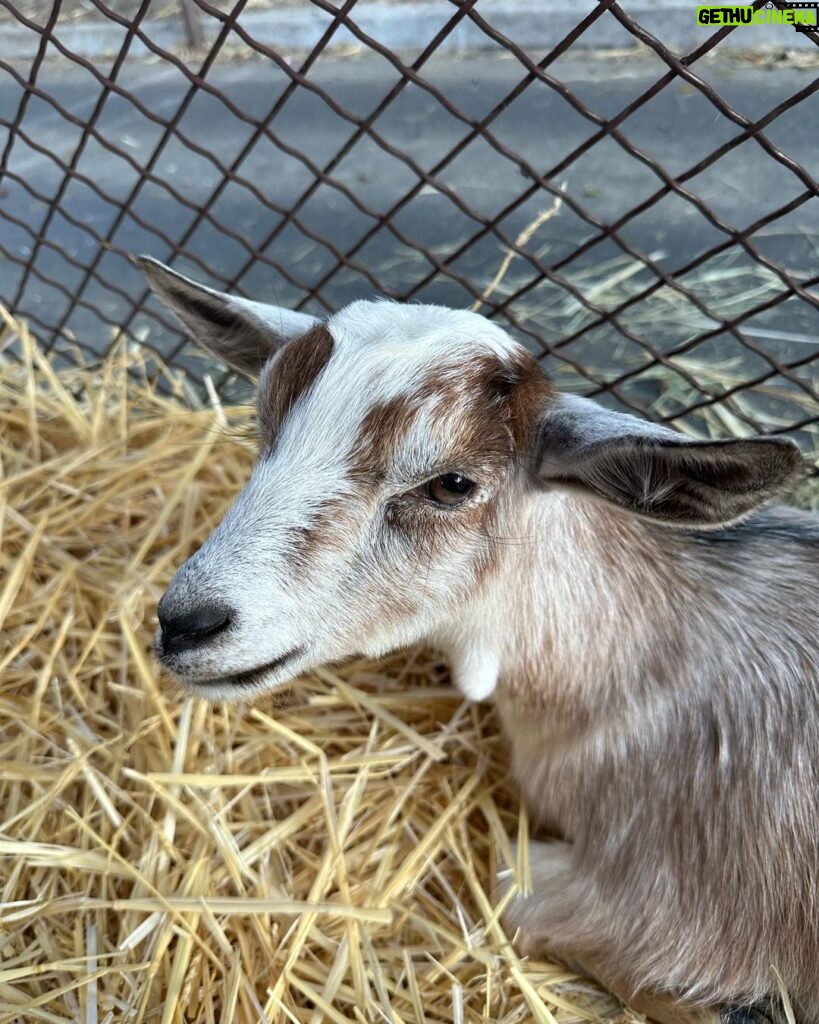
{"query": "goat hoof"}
pixel 758 1014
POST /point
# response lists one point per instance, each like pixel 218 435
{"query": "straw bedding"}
pixel 323 854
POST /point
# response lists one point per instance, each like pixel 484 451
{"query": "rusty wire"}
pixel 794 373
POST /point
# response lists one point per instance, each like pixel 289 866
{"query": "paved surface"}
pixel 402 25
pixel 678 127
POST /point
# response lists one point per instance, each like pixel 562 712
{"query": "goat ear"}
pixel 656 472
pixel 242 333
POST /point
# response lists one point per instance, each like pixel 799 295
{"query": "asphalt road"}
pixel 678 127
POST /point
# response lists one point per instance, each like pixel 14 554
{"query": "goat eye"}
pixel 449 489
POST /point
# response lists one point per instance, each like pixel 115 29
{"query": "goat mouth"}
pixel 250 676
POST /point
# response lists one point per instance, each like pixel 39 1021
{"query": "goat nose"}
pixel 184 631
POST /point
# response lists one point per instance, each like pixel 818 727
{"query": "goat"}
pixel 648 633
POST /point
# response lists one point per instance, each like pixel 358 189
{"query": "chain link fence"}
pixel 643 214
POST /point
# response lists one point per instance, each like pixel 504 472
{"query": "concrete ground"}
pixel 678 127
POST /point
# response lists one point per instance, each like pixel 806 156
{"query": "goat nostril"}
pixel 190 629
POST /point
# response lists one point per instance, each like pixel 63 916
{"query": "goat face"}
pixel 390 438
pixel 401 445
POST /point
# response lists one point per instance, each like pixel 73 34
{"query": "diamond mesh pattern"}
pixel 721 332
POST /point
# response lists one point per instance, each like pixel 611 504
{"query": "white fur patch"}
pixel 403 344
pixel 475 670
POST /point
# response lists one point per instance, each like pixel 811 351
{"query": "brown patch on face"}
pixel 488 409
pixel 332 528
pixel 501 402
pixel 504 402
pixel 293 374
pixel 494 407
pixel 381 430
pixel 325 531
pixel 529 392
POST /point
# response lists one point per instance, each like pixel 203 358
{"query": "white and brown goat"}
pixel 650 639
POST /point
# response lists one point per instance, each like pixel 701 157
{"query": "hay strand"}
pixel 326 854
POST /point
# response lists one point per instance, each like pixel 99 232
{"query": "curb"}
pixel 534 25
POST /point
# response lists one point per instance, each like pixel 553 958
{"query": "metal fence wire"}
pixel 308 178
